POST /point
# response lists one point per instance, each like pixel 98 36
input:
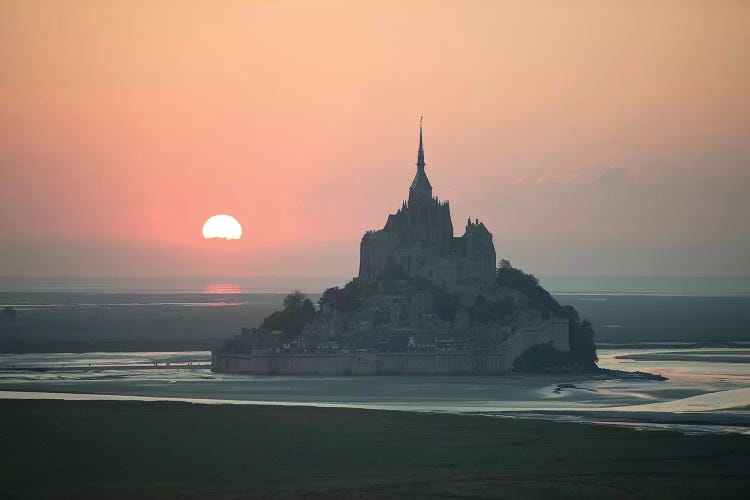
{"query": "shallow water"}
pixel 704 391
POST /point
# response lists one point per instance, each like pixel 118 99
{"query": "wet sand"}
pixel 124 449
pixel 699 396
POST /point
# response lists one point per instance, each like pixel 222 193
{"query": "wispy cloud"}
pixel 544 178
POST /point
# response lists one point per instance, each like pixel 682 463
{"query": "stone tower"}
pixel 419 239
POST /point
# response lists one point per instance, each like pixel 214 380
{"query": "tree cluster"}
pixel 485 311
pixel 298 310
pixel 346 299
pixel 445 304
pixel 527 284
pixel 582 346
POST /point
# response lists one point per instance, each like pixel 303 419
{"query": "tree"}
pixel 582 345
pixel 511 277
pixel 298 311
pixel 445 304
pixel 329 297
pixel 486 311
pixel 307 309
pixel 293 302
pixel 541 356
pixel 346 299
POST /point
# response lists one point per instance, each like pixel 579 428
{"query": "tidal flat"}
pixel 127 449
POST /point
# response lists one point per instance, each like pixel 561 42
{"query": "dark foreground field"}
pixel 106 449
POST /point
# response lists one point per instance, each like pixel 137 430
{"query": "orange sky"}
pixel 592 137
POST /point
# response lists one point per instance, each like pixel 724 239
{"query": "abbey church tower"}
pixel 419 239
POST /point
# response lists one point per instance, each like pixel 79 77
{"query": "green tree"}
pixel 445 304
pixel 307 309
pixel 582 344
pixel 485 311
pixel 293 302
pixel 298 311
pixel 346 299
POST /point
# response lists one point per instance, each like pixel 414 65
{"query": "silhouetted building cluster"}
pixel 418 241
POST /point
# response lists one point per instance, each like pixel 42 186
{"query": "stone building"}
pixel 419 239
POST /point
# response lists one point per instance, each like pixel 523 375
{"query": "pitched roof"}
pixel 421 182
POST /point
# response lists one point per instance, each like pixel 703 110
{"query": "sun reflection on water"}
pixel 222 288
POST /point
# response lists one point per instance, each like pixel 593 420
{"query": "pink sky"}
pixel 591 137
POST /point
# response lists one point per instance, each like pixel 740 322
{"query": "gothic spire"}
pixel 420 184
pixel 420 153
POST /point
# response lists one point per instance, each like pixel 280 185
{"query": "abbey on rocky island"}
pixel 419 239
pixel 424 301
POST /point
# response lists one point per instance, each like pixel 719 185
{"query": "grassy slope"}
pixel 161 450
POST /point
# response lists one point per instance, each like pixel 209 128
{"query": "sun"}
pixel 222 226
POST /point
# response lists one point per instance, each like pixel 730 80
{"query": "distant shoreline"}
pixel 718 286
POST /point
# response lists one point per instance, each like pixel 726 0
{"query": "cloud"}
pixel 544 178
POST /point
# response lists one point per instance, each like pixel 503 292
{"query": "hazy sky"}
pixel 591 137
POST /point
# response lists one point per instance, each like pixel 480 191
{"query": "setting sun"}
pixel 222 226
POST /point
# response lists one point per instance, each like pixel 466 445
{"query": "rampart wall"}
pixel 554 332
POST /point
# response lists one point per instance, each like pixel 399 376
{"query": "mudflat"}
pixel 117 449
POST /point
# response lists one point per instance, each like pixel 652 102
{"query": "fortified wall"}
pixel 553 332
pixel 446 363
